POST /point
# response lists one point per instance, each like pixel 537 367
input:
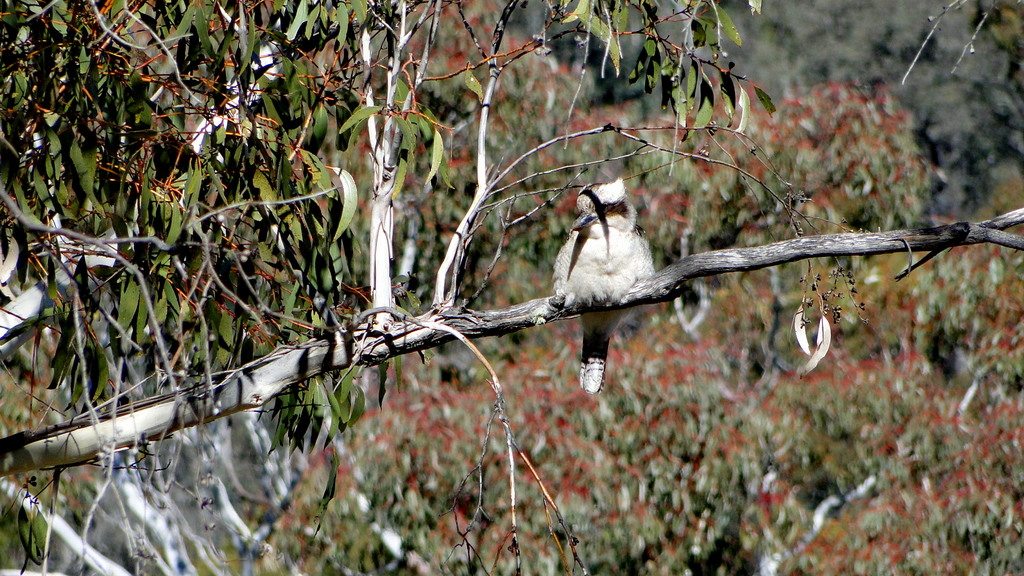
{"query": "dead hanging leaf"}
pixel 822 344
pixel 800 331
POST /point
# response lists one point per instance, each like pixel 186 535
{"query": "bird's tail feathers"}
pixel 595 352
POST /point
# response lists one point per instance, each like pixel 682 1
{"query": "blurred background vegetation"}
pixel 706 454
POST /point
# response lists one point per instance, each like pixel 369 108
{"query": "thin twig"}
pixel 550 501
pixel 936 20
pixel 969 46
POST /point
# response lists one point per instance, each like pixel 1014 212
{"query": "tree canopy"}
pixel 270 209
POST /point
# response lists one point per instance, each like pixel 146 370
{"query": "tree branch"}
pixel 669 283
pixel 251 386
pixel 83 438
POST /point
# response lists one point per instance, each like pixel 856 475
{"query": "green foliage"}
pixel 683 73
pixel 221 149
pixel 32 531
pixel 200 158
pixel 194 201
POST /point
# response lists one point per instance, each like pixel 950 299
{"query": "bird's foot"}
pixel 558 300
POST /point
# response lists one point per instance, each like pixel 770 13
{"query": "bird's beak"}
pixel 583 221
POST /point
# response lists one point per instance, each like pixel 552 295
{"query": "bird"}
pixel 605 255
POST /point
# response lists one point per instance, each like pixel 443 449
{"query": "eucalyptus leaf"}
pixel 474 85
pixel 728 87
pixel 84 161
pixel 319 129
pixel 350 199
pixel 704 114
pixel 744 110
pixel 263 187
pixel 382 381
pixel 330 489
pixel 727 26
pixel 128 304
pixel 32 532
pixel 766 100
pixel 436 154
pixel 357 117
pixel 298 19
pixel 360 9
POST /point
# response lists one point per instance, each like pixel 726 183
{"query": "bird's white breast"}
pixel 602 264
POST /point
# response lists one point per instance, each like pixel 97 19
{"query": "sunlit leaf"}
pixel 582 11
pixel 349 197
pixel 398 367
pixel 474 85
pixel 99 374
pixel 699 31
pixel 315 15
pixel 341 16
pixel 765 99
pixel 642 58
pixel 318 172
pixel 192 185
pixel 342 390
pixel 614 50
pixel 318 130
pixel 692 81
pixel 405 159
pixel 744 109
pixel 436 154
pixel 704 114
pixel 298 19
pixel 357 117
pixel 360 8
pixel 382 380
pixel 262 185
pixel 201 21
pixel 62 356
pixel 141 317
pixel 727 25
pixel 337 424
pixel 20 89
pixel 410 135
pixel 129 303
pixel 160 304
pixel 84 161
pixel 707 103
pixel 358 405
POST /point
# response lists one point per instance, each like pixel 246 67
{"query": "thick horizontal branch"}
pixel 669 283
pixel 84 438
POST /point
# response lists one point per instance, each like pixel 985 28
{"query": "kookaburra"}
pixel 606 254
